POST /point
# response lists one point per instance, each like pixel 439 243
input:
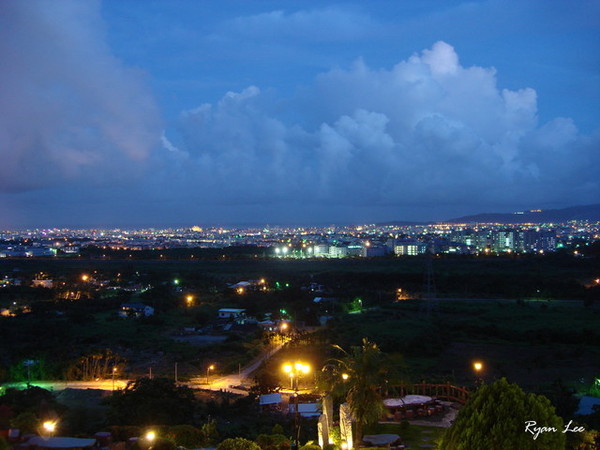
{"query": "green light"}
pixel 175 281
pixel 283 311
pixel 287 284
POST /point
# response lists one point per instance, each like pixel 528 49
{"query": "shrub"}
pixel 310 447
pixel 273 441
pixel 27 422
pixel 495 417
pixel 186 436
pixel 237 444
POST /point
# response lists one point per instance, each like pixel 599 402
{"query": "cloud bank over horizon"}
pixel 70 110
pixel 427 131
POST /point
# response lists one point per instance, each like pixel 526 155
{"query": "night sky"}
pixel 177 113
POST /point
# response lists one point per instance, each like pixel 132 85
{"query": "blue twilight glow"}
pixel 129 113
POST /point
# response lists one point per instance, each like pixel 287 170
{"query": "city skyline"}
pixel 182 113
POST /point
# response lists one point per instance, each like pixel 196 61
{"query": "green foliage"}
pixel 237 444
pixel 273 441
pixel 186 436
pixel 210 433
pixel 97 364
pixel 31 399
pixel 3 444
pixel 585 440
pixel 163 444
pixel 27 422
pixel 310 447
pixel 155 401
pixel 367 370
pixel 277 429
pixel 495 417
pixel 336 435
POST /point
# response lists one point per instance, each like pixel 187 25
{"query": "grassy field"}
pixel 534 344
pixel 554 276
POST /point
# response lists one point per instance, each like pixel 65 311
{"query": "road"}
pixel 216 384
pixel 106 385
pixel 226 382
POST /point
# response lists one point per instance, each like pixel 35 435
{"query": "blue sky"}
pixel 156 113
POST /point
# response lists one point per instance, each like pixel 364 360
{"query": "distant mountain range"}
pixel 589 212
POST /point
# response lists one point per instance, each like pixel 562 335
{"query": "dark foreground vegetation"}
pixel 531 319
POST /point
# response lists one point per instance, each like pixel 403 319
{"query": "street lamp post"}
pixel 208 369
pixel 294 371
pixel 114 371
pixel 478 368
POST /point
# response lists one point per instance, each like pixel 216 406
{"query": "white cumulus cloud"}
pixel 424 132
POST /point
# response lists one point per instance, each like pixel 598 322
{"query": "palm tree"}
pixel 366 368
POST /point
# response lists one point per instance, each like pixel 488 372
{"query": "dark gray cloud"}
pixel 70 110
pixel 428 131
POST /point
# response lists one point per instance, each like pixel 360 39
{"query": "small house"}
pixel 135 310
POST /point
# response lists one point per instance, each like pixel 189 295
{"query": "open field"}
pixel 517 276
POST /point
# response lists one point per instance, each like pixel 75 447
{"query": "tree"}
pixel 33 399
pixel 27 422
pixel 237 444
pixel 367 369
pixel 98 364
pixel 156 401
pixel 496 417
pixel 186 436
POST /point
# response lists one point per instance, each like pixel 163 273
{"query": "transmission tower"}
pixel 429 294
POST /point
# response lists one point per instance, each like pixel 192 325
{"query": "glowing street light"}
pixel 189 300
pixel 345 376
pixel 477 366
pixel 49 426
pixel 208 369
pixel 150 436
pixel 85 277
